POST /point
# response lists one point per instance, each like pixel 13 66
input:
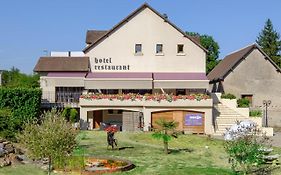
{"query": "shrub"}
pixel 255 113
pixel 245 149
pixel 70 114
pixel 24 105
pixel 243 103
pixel 6 124
pixel 54 138
pixel 228 96
pixel 73 115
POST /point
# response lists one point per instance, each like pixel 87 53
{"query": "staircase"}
pixel 225 117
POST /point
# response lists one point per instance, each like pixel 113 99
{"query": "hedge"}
pixel 24 104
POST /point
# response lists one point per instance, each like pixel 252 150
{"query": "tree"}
pixel 270 42
pixel 51 138
pixel 212 46
pixel 165 131
pixel 14 78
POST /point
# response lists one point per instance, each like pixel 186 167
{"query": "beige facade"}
pixel 144 53
pixel 148 29
pixel 258 77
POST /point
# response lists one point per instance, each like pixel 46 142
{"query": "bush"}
pixel 228 96
pixel 255 113
pixel 73 115
pixel 243 103
pixel 6 124
pixel 70 114
pixel 54 138
pixel 24 105
pixel 245 149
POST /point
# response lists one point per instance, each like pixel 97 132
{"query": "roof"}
pixel 131 16
pixel 62 64
pixel 233 60
pixel 93 35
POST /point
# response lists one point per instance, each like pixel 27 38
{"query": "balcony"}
pixel 154 100
pixel 60 99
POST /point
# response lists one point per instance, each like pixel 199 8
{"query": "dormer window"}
pixel 138 49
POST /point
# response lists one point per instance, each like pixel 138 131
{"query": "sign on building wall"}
pixel 107 64
pixel 193 120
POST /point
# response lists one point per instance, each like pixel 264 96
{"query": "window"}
pixel 180 48
pixel 159 48
pixel 138 48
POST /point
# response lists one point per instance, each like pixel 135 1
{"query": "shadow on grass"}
pixel 125 147
pixel 175 151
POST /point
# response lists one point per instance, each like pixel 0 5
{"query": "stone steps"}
pixel 226 118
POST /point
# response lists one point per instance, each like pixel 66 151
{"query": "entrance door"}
pixel 97 115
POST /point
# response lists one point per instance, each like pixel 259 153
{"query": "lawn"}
pixel 191 154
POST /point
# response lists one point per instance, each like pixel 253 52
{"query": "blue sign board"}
pixel 193 120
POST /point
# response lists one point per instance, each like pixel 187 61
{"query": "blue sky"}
pixel 31 26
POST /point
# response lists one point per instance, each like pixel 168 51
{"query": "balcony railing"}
pixel 60 97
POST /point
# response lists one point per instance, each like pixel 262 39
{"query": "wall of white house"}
pixel 147 29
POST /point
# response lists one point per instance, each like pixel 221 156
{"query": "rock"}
pixel 18 151
pixel 1 145
pixel 46 167
pixel 9 148
pixel 5 161
pixel 2 140
pixel 5 143
pixel 2 152
pixel 22 158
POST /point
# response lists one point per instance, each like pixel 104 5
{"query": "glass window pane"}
pixel 138 48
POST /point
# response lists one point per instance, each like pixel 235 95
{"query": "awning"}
pixel 180 81
pixel 66 79
pixel 126 80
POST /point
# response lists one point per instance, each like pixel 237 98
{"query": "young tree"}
pixel 270 42
pixel 165 131
pixel 212 46
pixel 51 138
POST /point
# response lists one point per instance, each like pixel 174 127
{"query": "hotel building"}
pixel 143 69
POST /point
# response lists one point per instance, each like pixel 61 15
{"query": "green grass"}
pixel 22 170
pixel 191 154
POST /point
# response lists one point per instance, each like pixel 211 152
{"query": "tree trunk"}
pixel 49 168
pixel 166 147
pixel 166 143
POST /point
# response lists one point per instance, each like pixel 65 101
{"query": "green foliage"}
pixel 255 113
pixel 243 103
pixel 70 114
pixel 73 115
pixel 228 96
pixel 53 138
pixel 245 151
pixel 165 132
pixel 212 46
pixel 14 79
pixel 24 105
pixel 270 42
pixel 6 124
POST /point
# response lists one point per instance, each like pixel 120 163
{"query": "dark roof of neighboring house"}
pixel 231 61
pixel 94 35
pixel 62 64
pixel 131 16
